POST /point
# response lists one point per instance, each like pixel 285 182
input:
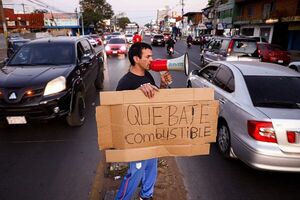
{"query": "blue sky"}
pixel 140 11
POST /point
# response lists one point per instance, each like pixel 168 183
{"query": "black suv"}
pixel 49 78
pixel 158 40
pixel 229 49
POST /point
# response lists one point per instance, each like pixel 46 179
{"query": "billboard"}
pixel 61 20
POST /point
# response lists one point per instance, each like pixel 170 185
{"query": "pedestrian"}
pixel 136 38
pixel 138 77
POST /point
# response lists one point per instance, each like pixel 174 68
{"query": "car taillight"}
pixel 262 131
pixel 1 93
pixel 230 47
pixel 291 136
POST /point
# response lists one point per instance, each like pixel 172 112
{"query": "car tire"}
pixel 77 116
pixel 223 139
pixel 100 78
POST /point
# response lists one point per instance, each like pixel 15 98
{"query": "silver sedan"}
pixel 259 118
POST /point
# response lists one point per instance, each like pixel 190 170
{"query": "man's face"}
pixel 144 61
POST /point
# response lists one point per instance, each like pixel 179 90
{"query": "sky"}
pixel 140 11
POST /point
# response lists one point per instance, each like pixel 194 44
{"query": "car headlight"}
pixel 56 85
pixel 107 48
pixel 123 48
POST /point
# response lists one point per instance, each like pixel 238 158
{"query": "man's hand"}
pixel 165 80
pixel 148 89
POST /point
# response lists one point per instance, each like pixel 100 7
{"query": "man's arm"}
pixel 165 80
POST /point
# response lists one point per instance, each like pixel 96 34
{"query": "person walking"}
pixel 138 77
pixel 136 38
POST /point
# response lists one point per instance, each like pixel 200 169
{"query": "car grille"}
pixel 21 96
pixel 115 48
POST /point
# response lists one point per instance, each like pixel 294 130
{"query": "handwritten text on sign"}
pixel 158 123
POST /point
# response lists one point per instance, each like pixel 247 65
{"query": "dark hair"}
pixel 136 50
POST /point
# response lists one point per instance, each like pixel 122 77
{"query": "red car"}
pixel 273 53
pixel 116 46
pixel 97 39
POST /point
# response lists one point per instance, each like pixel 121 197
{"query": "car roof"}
pixel 252 68
pixel 63 39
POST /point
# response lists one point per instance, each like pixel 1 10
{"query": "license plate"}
pixel 115 51
pixel 16 120
pixel 158 40
pixel 280 61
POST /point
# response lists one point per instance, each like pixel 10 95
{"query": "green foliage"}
pixel 95 11
pixel 122 21
pixel 40 11
pixel 211 2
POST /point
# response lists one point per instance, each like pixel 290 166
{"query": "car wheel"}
pixel 100 78
pixel 223 139
pixel 77 115
pixel 294 68
pixel 202 62
pixel 189 84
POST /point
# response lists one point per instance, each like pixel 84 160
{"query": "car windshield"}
pixel 116 41
pixel 274 91
pixel 44 54
pixel 128 35
pixel 244 46
pixel 116 33
pixel 159 37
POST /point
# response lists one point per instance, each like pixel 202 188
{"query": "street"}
pixel 53 161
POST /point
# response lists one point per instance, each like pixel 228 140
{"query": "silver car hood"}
pixel 284 120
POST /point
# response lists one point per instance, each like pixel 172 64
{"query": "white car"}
pixel 129 38
pixel 259 118
pixel 295 66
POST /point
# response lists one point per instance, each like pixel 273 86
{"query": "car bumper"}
pixel 267 156
pixel 115 52
pixel 47 108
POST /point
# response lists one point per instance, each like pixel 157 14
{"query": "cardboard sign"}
pixel 176 122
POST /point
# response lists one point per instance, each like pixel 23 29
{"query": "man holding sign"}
pixel 138 77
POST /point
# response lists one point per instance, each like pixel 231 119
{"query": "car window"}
pixel 80 51
pixel 116 41
pixel 44 54
pixel 86 46
pixel 216 45
pixel 224 79
pixel 244 46
pixel 274 91
pixel 209 72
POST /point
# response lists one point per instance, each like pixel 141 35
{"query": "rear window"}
pixel 244 46
pixel 158 37
pixel 116 41
pixel 274 91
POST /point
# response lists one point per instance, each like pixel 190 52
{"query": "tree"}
pixel 95 11
pixel 211 2
pixel 122 21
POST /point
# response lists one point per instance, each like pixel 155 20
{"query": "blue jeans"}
pixel 145 171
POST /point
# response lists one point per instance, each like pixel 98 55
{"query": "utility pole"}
pixel 182 4
pixel 23 5
pixel 3 22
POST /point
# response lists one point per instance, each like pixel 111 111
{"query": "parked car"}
pixel 14 45
pixel 259 118
pixel 129 38
pixel 295 66
pixel 158 40
pixel 116 46
pixel 229 49
pixel 273 53
pixel 49 78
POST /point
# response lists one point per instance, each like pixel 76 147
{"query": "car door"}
pixel 208 52
pixel 204 77
pixel 88 63
pixel 223 49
